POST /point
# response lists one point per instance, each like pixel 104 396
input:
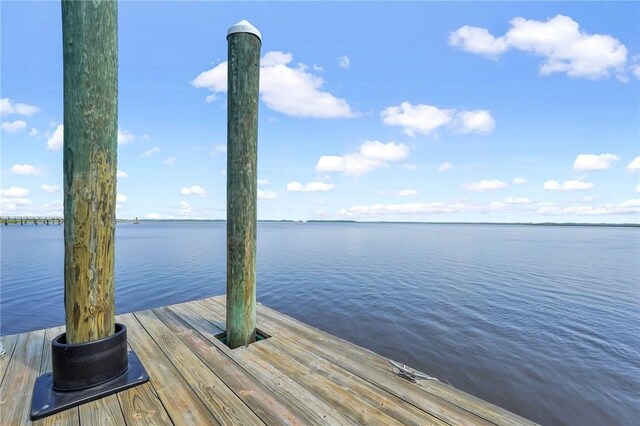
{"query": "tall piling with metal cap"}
pixel 244 42
pixel 90 52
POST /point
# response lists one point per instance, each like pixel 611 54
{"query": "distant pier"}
pixel 46 221
pixel 31 220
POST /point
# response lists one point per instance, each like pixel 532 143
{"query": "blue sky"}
pixel 507 112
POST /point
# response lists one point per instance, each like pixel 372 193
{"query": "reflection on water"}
pixel 544 321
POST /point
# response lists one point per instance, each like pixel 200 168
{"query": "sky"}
pixel 409 111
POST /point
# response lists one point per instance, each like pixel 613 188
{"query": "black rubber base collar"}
pixel 78 366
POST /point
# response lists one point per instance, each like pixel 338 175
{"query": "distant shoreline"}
pixel 617 225
pixel 12 221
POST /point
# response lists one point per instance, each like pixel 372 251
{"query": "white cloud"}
pixel 350 164
pixel 416 118
pixel 291 91
pixel 497 205
pixel 14 192
pixel 372 154
pixel 420 209
pixel 485 185
pixel 8 107
pixel 262 182
pixel 193 190
pixel 638 187
pixel 561 43
pixel 571 185
pixel 222 149
pixel 49 188
pixel 519 181
pixel 477 121
pixel 385 152
pixel 121 198
pixel 626 207
pixel 13 204
pixel 344 62
pixel 585 162
pixel 479 41
pixel 56 140
pixel 125 137
pixel 635 70
pixel 634 165
pixel 424 119
pixel 402 192
pixel 13 126
pixel 122 174
pixel 517 200
pixel 315 186
pixel 169 161
pixel 150 152
pixel 266 195
pixel 154 216
pixel 408 192
pixel 34 132
pixel 445 166
pixel 185 208
pixel 214 79
pixel 25 169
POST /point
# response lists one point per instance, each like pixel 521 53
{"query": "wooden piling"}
pixel 90 51
pixel 244 43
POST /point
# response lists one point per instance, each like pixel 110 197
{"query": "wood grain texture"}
pixel 242 163
pixel 223 404
pixel 90 54
pixel 182 405
pixel 9 344
pixel 17 387
pixel 250 390
pixel 313 409
pixel 319 371
pixel 104 411
pixel 141 407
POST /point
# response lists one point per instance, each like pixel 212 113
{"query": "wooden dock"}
pixel 300 375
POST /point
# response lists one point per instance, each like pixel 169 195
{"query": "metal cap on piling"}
pixel 244 26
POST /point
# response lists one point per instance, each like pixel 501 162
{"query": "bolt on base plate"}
pixel 47 401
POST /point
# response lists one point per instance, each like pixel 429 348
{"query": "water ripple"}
pixel 544 321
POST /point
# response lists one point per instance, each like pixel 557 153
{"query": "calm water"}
pixel 544 321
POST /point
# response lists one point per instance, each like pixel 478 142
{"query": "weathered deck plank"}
pixel 298 376
pixel 181 403
pixel 104 411
pixel 354 397
pixel 221 401
pixel 140 406
pixel 23 368
pixel 297 398
pixel 9 343
pixel 253 393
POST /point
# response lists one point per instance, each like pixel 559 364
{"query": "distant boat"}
pixel 136 222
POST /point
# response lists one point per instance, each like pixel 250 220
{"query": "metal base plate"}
pixel 47 401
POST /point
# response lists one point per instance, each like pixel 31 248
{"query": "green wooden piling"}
pixel 242 145
pixel 90 52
